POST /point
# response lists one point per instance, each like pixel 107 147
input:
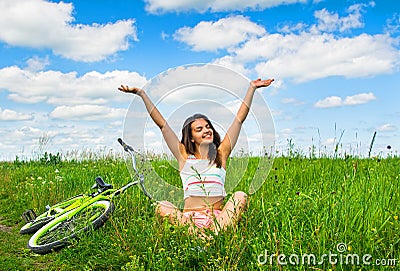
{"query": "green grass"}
pixel 305 206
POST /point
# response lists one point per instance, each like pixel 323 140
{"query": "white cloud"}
pixel 150 134
pixel 329 141
pixel 87 112
pixel 69 138
pixel 335 101
pixel 387 128
pixel 11 115
pixel 225 33
pixel 285 133
pixel 116 124
pixel 276 113
pixel 162 6
pixel 359 99
pixel 330 21
pixel 332 101
pixel 55 87
pixel 287 28
pixel 164 35
pixel 43 24
pixel 232 63
pixel 23 135
pixel 233 106
pixel 37 64
pixel 187 83
pixel 393 24
pixel 304 53
pixel 307 56
pixel 29 131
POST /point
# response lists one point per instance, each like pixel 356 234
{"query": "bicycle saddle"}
pixel 101 184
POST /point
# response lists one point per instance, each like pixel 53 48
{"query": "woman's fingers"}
pixel 122 88
pixel 262 83
pixel 133 90
pixel 269 81
pixel 125 89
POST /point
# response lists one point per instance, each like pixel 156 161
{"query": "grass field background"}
pixel 305 206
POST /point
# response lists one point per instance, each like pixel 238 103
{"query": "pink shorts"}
pixel 202 219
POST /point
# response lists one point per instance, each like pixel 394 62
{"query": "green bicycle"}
pixel 66 220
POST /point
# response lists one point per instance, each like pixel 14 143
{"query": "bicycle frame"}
pixel 55 210
pixel 70 211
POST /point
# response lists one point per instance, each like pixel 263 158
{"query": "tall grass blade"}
pixel 371 145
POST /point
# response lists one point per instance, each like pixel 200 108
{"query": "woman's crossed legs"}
pixel 215 220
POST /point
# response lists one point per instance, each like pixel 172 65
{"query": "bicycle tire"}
pixel 33 226
pixel 44 218
pixel 58 233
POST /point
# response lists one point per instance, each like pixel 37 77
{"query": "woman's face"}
pixel 201 132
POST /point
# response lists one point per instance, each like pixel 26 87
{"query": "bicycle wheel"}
pixel 47 216
pixel 61 231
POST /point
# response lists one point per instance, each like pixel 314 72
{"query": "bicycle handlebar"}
pixel 132 151
pixel 126 147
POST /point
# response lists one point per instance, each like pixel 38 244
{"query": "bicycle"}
pixel 55 228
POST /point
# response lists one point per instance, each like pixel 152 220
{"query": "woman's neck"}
pixel 202 151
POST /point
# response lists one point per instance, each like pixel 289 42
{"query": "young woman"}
pixel 202 160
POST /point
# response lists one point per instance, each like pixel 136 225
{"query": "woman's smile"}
pixel 208 136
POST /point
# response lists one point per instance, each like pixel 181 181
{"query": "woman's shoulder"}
pixel 223 153
pixel 183 156
pixel 183 152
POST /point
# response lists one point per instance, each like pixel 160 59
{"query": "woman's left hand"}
pixel 133 90
pixel 258 83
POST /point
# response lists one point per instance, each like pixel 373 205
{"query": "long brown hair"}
pixel 213 155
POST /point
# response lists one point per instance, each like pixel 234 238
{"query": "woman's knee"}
pixel 239 197
pixel 165 208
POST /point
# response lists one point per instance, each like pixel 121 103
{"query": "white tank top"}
pixel 200 178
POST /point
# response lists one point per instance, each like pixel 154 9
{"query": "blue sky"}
pixel 336 66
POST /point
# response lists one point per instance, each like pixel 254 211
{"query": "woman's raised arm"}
pixel 232 134
pixel 169 135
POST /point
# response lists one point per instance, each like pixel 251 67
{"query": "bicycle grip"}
pixel 124 145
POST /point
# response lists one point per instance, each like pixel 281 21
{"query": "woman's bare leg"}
pixel 174 215
pixel 231 212
pixel 166 209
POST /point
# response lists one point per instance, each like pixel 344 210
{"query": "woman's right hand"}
pixel 133 90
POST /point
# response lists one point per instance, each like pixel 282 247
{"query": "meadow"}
pixel 327 213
